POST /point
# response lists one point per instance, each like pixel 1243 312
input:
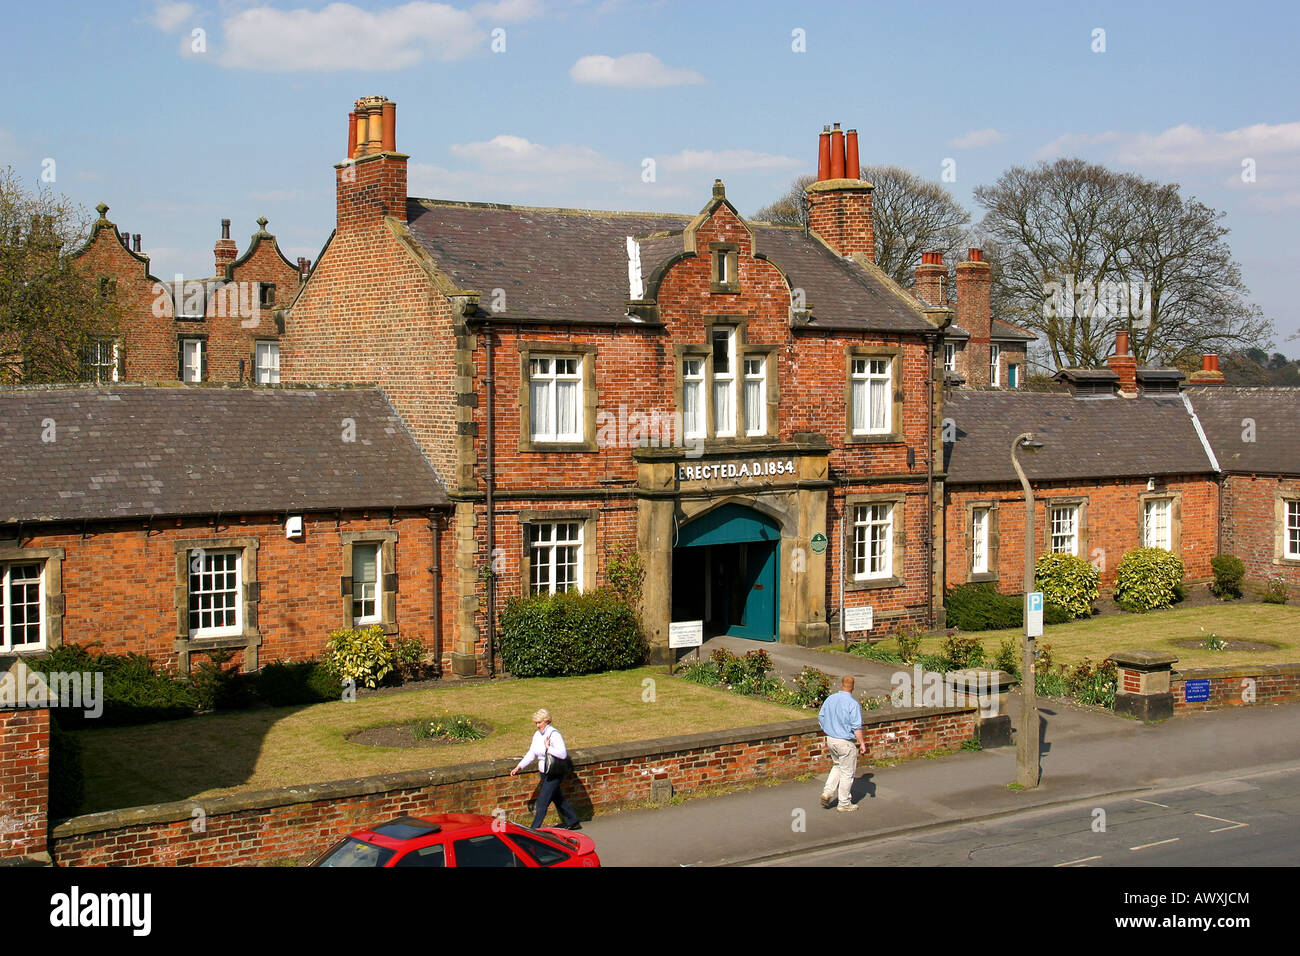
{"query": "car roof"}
pixel 409 831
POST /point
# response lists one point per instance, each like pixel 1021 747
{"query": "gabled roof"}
pixel 1254 430
pixel 1083 438
pixel 571 265
pixel 135 451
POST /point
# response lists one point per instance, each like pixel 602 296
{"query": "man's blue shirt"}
pixel 840 716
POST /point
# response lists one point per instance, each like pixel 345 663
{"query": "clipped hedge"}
pixel 134 691
pixel 1067 581
pixel 980 607
pixel 284 683
pixel 571 633
pixel 1148 578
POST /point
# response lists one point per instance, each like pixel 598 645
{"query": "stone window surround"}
pixel 898 533
pixel 994 540
pixel 251 637
pixel 387 598
pixel 1175 496
pixel 731 250
pixel 1280 499
pixel 529 350
pixel 1080 504
pixel 744 350
pixel 51 561
pixel 895 355
pixel 585 516
pixel 202 339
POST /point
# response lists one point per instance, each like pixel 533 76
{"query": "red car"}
pixel 459 839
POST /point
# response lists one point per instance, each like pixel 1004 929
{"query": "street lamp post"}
pixel 1027 755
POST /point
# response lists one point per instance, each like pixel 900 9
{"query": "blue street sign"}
pixel 1034 614
pixel 1035 600
pixel 1197 691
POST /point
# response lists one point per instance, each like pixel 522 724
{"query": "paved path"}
pixel 1086 753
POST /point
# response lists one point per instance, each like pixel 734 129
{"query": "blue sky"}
pixel 177 129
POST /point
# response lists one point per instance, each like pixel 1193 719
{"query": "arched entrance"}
pixel 725 573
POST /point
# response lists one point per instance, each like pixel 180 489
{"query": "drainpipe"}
pixel 844 519
pixel 436 570
pixel 490 381
pixel 932 354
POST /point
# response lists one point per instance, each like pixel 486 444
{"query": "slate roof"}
pixel 1083 438
pixel 1223 411
pixel 1001 331
pixel 132 451
pixel 570 265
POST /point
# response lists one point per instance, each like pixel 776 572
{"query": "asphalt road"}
pixel 1245 820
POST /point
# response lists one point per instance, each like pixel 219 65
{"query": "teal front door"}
pixel 725 573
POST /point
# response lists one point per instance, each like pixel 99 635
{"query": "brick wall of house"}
pixel 1114 523
pixel 120 580
pixel 232 321
pixel 1251 529
pixel 282 827
pixel 24 780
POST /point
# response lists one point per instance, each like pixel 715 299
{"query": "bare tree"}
pixel 912 215
pixel 1085 252
pixel 50 312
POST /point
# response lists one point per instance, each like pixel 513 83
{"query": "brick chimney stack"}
pixel 974 314
pixel 839 202
pixel 371 182
pixel 930 276
pixel 225 251
pixel 1124 364
pixel 1209 373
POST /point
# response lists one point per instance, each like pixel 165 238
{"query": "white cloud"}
pixel 977 139
pixel 343 37
pixel 1186 145
pixel 518 156
pixel 727 160
pixel 639 70
pixel 168 17
pixel 508 11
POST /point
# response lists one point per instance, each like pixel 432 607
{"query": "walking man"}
pixel 841 721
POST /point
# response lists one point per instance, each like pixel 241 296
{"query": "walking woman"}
pixel 552 758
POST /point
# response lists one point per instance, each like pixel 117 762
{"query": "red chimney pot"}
pixel 975 255
pixel 837 152
pixel 824 155
pixel 852 168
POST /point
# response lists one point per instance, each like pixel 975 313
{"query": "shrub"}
pixel 67 781
pixel 932 662
pixel 359 654
pixel 730 667
pixel 284 683
pixel 1145 579
pixel 963 652
pixel 408 658
pixel 757 663
pixel 219 687
pixel 1229 570
pixel 134 692
pixel 1067 581
pixel 811 687
pixel 702 672
pixel 1008 658
pixel 909 643
pixel 1275 592
pixel 980 607
pixel 562 635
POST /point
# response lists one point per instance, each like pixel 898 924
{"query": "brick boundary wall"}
pixel 24 781
pixel 1273 683
pixel 294 824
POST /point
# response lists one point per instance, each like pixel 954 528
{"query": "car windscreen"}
pixel 354 852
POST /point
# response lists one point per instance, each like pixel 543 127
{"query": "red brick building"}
pixel 178 521
pixel 747 406
pixel 216 329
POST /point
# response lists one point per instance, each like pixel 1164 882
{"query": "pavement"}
pixel 1085 753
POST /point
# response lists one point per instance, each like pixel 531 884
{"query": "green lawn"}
pixel 262 749
pixel 1100 637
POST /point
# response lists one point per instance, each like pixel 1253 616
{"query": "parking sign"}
pixel 1034 614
